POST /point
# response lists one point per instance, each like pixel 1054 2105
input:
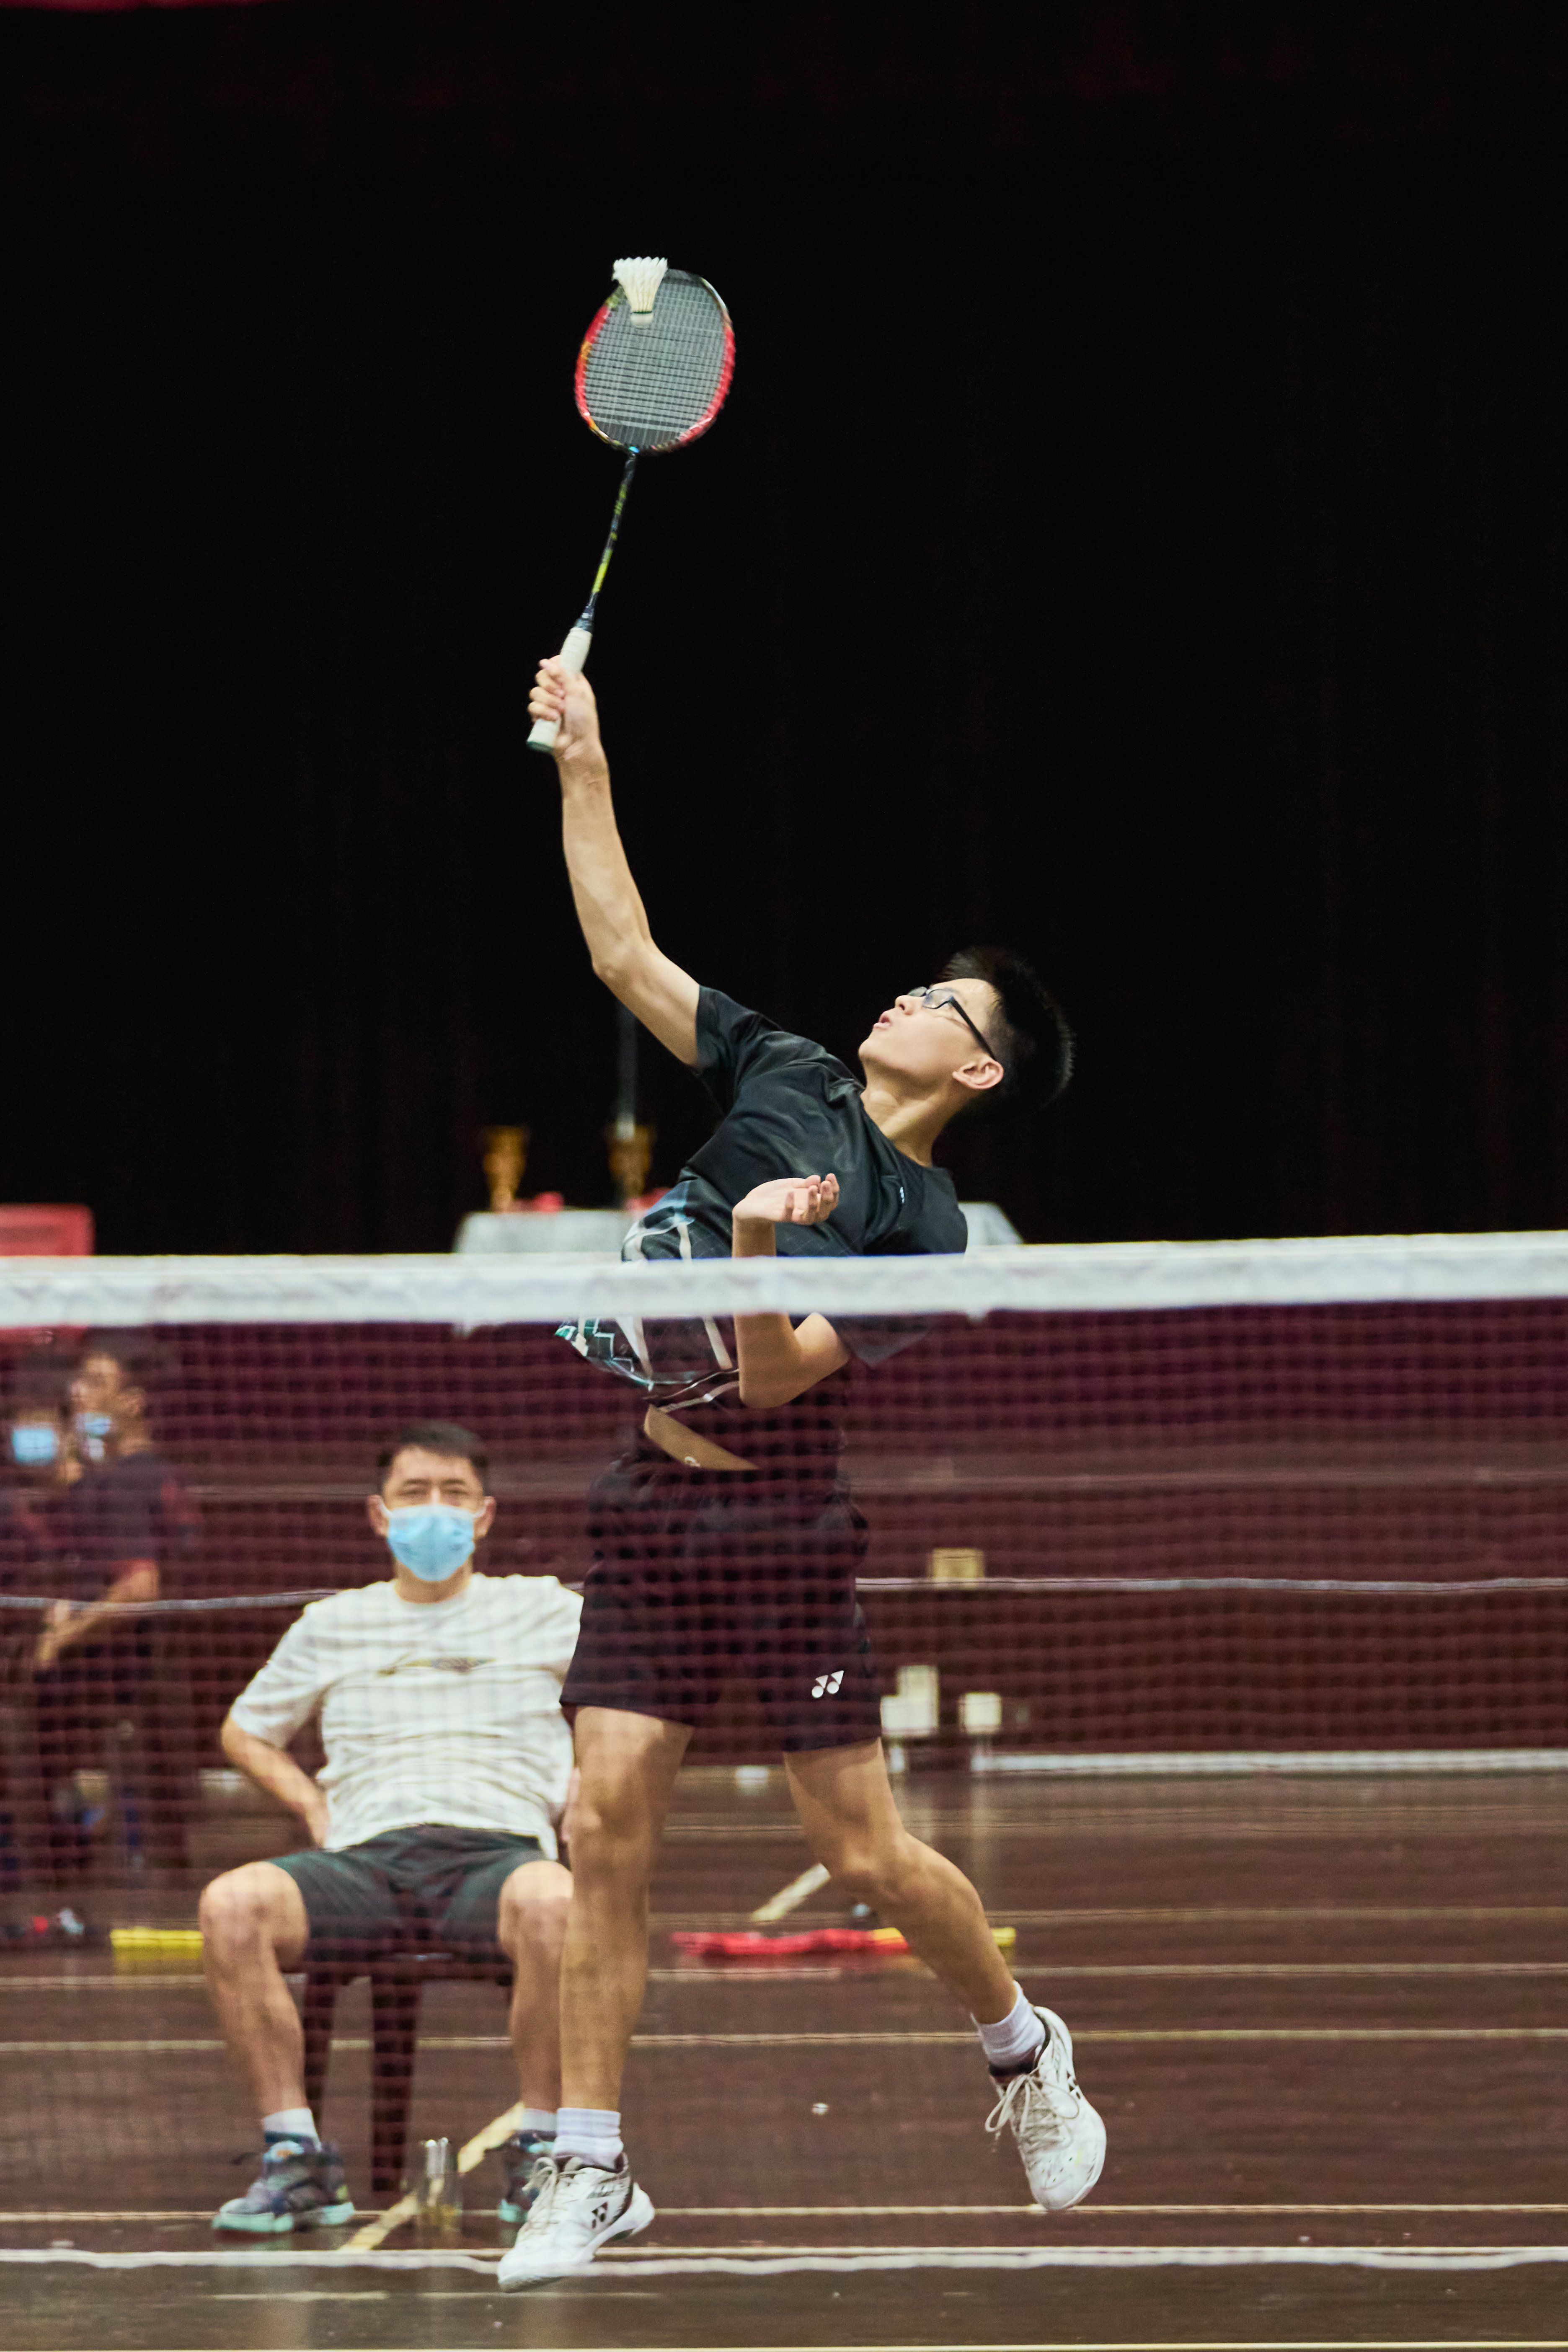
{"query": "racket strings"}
pixel 654 385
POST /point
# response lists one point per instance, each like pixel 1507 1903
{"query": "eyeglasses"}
pixel 934 1001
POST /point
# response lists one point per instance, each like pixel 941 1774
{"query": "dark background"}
pixel 1137 532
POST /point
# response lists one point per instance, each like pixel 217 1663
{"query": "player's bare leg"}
pixel 845 1800
pixel 627 1764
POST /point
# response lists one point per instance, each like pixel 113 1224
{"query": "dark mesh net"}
pixel 1293 1528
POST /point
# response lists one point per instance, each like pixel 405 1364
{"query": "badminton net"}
pixel 1162 1509
pixel 1191 1500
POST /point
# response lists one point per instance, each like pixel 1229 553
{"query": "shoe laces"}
pixel 1030 2104
pixel 538 2213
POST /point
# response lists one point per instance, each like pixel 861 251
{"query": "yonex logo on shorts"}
pixel 826 1686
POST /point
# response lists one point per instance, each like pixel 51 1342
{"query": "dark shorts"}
pixel 704 1578
pixel 427 1881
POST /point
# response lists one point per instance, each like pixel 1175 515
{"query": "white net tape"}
pixel 1069 1277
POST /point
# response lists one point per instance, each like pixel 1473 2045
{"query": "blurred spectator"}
pixel 40 1458
pixel 38 1463
pixel 122 1515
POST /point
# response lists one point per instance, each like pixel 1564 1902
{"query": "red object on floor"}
pixel 753 1944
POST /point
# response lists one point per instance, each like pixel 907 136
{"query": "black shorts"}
pixel 702 1578
pixel 393 1889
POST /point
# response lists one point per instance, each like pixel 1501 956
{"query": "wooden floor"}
pixel 1326 2020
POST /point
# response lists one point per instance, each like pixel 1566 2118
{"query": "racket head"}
pixel 658 382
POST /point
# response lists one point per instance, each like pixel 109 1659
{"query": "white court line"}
pixel 841 2212
pixel 1298 1969
pixel 1229 1915
pixel 807 1969
pixel 866 2041
pixel 745 2263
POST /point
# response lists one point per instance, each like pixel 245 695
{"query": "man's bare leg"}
pixel 845 1800
pixel 253 1927
pixel 627 1764
pixel 532 1931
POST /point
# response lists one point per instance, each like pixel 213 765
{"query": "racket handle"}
pixel 574 656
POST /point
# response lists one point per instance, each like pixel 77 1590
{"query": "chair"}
pixel 398 1975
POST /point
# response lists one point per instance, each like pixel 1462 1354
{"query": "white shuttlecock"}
pixel 639 276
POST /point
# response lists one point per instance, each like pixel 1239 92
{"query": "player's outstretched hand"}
pixel 789 1200
pixel 568 699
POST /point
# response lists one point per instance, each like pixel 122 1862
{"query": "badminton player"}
pixel 726 1545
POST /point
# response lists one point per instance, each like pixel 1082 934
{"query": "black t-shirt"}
pixel 31 1520
pixel 134 1509
pixel 789 1108
pixel 129 1509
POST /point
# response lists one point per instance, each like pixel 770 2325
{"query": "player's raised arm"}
pixel 609 907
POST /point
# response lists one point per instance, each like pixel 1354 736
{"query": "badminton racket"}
pixel 652 374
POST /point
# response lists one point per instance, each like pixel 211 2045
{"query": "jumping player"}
pixel 726 1544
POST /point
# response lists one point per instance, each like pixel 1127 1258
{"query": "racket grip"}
pixel 574 655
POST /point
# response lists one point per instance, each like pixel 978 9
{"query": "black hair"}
pixel 142 1359
pixel 1028 1033
pixel 435 1437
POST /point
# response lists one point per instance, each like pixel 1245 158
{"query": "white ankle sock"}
pixel 1016 2039
pixel 291 2122
pixel 591 2133
pixel 538 2119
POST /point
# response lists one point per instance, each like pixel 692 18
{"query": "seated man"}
pixel 448 1767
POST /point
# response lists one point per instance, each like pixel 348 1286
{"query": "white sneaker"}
pixel 1060 2138
pixel 577 2209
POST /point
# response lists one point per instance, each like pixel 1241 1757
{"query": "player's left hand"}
pixel 789 1200
pixel 51 1639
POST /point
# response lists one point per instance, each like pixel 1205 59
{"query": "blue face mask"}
pixel 35 1443
pixel 432 1540
pixel 92 1428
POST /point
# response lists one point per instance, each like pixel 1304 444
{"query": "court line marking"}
pixel 843 2212
pixel 822 2213
pixel 1296 1968
pixel 854 1965
pixel 705 1971
pixel 864 2041
pixel 742 1971
pixel 1290 1914
pixel 812 1969
pixel 747 2263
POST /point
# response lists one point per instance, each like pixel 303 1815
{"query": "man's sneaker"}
pixel 298 2188
pixel 1060 2138
pixel 522 2157
pixel 577 2208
